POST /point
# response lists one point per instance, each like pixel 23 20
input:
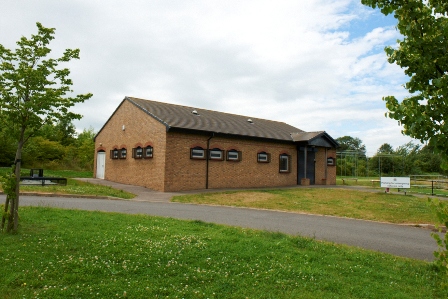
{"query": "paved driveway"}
pixel 398 240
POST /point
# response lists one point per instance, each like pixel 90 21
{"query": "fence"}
pixel 429 184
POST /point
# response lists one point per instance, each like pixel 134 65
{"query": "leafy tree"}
pixel 63 132
pixel 385 148
pixel 86 148
pixel 33 92
pixel 422 55
pixel 352 159
pixel 348 143
pixel 410 153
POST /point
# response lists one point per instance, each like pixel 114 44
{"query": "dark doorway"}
pixel 310 164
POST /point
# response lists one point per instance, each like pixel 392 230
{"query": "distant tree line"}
pixel 407 159
pixel 55 146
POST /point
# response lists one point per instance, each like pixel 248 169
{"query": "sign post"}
pixel 395 182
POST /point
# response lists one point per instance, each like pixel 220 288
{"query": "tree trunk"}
pixel 15 203
pixel 5 213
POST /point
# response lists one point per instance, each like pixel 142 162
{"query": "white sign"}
pixel 396 182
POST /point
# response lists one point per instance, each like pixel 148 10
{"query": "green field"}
pixel 80 254
pixel 377 206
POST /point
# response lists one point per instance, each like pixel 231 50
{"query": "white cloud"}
pixel 317 64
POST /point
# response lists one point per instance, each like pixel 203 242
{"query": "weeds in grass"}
pixel 376 206
pixel 77 254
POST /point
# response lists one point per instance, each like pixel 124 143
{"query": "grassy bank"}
pixel 377 206
pixel 74 187
pixel 79 254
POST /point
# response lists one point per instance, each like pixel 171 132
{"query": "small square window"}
pixel 216 154
pixel 197 153
pixel 114 154
pixel 233 155
pixel 149 151
pixel 330 161
pixel 123 153
pixel 137 153
pixel 263 157
pixel 284 163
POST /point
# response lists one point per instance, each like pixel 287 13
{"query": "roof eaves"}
pixel 149 113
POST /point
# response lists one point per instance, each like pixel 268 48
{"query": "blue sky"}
pixel 317 65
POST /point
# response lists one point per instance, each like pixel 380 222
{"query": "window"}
pixel 216 154
pixel 114 154
pixel 233 155
pixel 330 161
pixel 197 153
pixel 137 153
pixel 123 153
pixel 284 163
pixel 149 151
pixel 263 157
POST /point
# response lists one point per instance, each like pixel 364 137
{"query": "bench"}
pixel 349 179
pixel 374 181
pixel 34 180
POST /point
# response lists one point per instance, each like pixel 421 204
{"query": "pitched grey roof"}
pixel 183 117
pixel 320 138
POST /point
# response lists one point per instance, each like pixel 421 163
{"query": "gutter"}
pixel 207 160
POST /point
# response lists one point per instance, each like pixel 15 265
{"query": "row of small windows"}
pixel 215 154
pixel 200 153
pixel 234 155
pixel 137 153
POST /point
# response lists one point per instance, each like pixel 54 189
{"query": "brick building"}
pixel 168 147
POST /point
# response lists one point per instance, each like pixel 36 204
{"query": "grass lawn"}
pixel 73 186
pixel 377 206
pixel 80 254
pixel 420 187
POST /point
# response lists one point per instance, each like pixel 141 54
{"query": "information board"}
pixel 396 182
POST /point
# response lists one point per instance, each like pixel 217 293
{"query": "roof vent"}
pixel 195 112
pixel 249 120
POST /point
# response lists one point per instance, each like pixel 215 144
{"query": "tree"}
pixel 385 148
pixel 348 143
pixel 33 92
pixel 422 55
pixel 352 156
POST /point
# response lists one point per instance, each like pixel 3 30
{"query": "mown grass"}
pixel 420 187
pixel 80 254
pixel 74 187
pixel 52 173
pixel 377 206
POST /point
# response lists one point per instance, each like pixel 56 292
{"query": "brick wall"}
pixel 139 129
pixel 183 173
pixel 325 174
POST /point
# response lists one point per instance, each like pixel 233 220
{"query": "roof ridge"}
pixel 214 111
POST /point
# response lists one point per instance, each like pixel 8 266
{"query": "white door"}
pixel 100 165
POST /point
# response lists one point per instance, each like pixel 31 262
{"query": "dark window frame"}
pixel 233 151
pixel 123 153
pixel 216 150
pixel 114 154
pixel 137 152
pixel 148 152
pixel 281 167
pixel 268 157
pixel 196 157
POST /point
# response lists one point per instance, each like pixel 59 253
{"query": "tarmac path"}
pixel 399 240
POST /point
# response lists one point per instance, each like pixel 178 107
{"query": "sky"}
pixel 318 65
